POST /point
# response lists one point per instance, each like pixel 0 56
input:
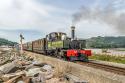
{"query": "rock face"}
pixel 6 68
pixel 24 69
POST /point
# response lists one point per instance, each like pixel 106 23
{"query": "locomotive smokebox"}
pixel 73 32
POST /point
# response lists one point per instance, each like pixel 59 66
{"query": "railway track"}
pixel 113 69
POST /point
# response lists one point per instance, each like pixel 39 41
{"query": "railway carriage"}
pixel 29 46
pixel 39 45
pixel 24 46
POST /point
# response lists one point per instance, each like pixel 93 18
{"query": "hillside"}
pixel 6 42
pixel 106 42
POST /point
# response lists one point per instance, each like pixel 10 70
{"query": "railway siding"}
pixel 92 75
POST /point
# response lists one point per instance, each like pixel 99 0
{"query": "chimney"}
pixel 73 32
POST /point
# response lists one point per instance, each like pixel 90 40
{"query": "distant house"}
pixel 4 46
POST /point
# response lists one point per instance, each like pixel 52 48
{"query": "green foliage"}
pixel 117 59
pixel 6 42
pixel 106 42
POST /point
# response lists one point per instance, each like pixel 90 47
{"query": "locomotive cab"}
pixel 56 36
pixel 55 43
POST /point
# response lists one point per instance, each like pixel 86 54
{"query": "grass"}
pixel 117 59
pixel 121 50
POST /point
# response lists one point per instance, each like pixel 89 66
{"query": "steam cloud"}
pixel 108 14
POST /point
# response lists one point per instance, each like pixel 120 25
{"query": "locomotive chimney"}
pixel 73 32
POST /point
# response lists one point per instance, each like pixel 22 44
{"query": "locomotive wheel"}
pixel 59 55
pixel 83 58
pixel 71 59
pixel 62 55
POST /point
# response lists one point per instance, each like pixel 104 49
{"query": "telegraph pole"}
pixel 21 43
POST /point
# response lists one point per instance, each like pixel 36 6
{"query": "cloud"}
pixel 31 14
pixel 87 29
pixel 23 13
pixel 13 35
pixel 35 19
pixel 30 18
pixel 107 14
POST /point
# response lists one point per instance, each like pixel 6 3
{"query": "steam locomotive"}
pixel 57 44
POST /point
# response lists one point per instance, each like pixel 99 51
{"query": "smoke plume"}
pixel 108 14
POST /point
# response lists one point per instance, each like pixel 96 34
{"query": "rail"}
pixel 113 69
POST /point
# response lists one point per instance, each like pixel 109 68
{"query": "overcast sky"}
pixel 36 18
